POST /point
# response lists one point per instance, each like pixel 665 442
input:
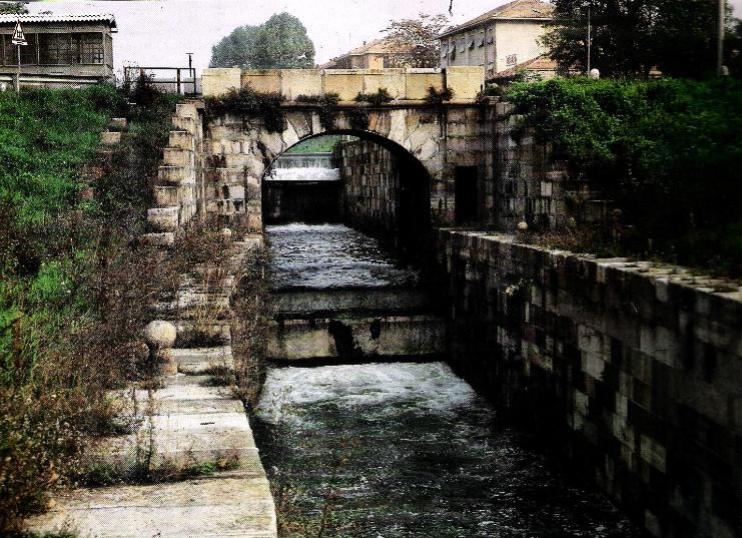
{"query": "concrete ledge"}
pixel 295 302
pixel 390 336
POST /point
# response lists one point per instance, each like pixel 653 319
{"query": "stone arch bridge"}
pixel 217 165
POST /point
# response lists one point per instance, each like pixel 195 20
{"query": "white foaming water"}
pixel 428 387
pixel 304 174
pixel 331 256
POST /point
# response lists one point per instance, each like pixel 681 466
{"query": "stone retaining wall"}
pixel 524 182
pixel 370 187
pixel 634 369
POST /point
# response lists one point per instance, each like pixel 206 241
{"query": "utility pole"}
pixel 720 48
pixel 590 39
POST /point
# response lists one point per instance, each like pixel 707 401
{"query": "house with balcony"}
pixel 61 50
pixel 500 40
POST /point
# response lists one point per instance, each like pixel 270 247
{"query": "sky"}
pixel 161 32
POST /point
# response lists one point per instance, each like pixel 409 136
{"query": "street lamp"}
pixel 720 43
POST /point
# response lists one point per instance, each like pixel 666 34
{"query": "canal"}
pixel 401 449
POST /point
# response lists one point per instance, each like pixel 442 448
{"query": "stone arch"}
pixel 395 201
pixel 239 152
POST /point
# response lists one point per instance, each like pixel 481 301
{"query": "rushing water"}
pixel 404 449
pixel 331 256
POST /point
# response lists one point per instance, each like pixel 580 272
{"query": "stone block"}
pixel 176 175
pixel 118 124
pixel 110 138
pixel 185 124
pixel 217 81
pixel 182 140
pixel 345 82
pixel 163 218
pixel 295 82
pixel 166 196
pixel 393 80
pixel 186 110
pixel 177 157
pixel 164 239
pixel 262 80
pixel 418 81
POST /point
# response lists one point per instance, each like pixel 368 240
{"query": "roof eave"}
pixel 465 27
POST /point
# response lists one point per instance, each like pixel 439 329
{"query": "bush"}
pixel 247 102
pixel 663 150
pixel 75 287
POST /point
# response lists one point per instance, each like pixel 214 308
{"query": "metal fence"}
pixel 180 80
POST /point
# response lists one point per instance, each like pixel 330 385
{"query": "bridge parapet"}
pixel 403 84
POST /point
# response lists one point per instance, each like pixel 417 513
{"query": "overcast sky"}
pixel 160 32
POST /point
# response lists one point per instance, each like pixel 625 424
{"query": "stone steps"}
pixel 216 506
pixel 183 427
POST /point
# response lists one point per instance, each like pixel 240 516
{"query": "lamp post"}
pixel 720 42
pixel 589 40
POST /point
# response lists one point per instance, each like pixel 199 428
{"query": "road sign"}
pixel 18 37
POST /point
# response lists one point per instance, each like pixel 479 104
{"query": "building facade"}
pixel 378 54
pixel 500 39
pixel 61 50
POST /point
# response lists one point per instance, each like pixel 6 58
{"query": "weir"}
pixel 401 448
pixel 337 295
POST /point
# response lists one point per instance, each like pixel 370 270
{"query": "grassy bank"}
pixel 666 152
pixel 75 283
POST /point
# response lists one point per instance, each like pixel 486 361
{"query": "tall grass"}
pixel 75 285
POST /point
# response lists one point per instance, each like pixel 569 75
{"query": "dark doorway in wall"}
pixel 465 181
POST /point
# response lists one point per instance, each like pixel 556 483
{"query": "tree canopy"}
pixel 279 43
pixel 630 37
pixel 416 40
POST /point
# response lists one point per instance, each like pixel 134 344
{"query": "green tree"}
pixel 279 43
pixel 415 41
pixel 237 49
pixel 282 43
pixel 13 8
pixel 630 37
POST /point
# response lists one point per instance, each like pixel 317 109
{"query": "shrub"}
pixel 246 103
pixel 663 150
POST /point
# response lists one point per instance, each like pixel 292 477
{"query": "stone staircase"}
pixel 192 435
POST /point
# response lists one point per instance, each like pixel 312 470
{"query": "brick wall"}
pixel 633 370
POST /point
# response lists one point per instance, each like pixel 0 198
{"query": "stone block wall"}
pixel 178 189
pixel 370 194
pixel 524 182
pixel 409 84
pixel 633 370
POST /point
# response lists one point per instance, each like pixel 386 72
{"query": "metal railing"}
pixel 180 80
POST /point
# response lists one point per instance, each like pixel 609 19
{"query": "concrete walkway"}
pixel 185 426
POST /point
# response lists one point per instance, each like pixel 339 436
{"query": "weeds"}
pixel 75 287
pixel 326 107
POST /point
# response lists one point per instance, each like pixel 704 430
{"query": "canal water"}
pixel 401 449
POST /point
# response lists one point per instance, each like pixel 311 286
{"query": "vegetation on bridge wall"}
pixel 665 151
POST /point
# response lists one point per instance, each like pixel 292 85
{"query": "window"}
pixel 9 53
pixel 56 49
pixel 91 48
pixel 28 52
pixel 68 49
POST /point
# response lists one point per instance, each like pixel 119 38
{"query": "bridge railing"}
pixel 404 84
